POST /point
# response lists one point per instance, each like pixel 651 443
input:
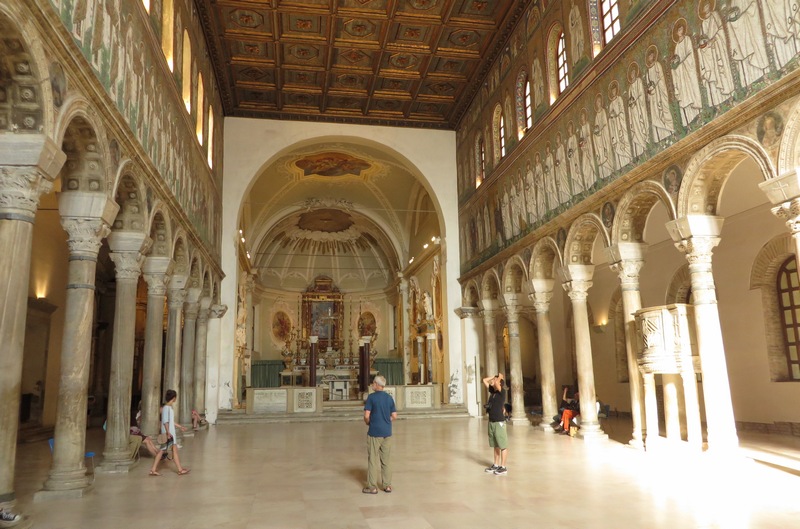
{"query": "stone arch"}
pixel 764 276
pixel 634 208
pixel 81 138
pixel 769 259
pixel 680 287
pixel 546 259
pixel 208 284
pixel 703 181
pixel 471 294
pixel 581 237
pixel 195 280
pixel 25 78
pixel 490 285
pixel 159 228
pixel 180 254
pixel 788 154
pixel 130 196
pixel 515 275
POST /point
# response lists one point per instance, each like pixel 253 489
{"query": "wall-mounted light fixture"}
pixel 600 327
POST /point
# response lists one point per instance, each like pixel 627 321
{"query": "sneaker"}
pixel 501 471
pixel 491 469
pixel 8 519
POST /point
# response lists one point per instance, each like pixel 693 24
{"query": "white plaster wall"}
pixel 251 144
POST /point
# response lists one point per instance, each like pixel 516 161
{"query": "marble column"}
pixel 470 331
pixel 694 432
pixel 405 337
pixel 420 359
pixel 489 337
pixel 541 302
pixel 86 217
pixel 176 298
pixel 186 392
pixel 29 164
pixel 672 418
pixel 696 236
pixel 515 359
pixel 157 272
pixel 653 438
pixel 126 253
pixel 579 280
pixel 627 260
pixel 430 341
pixel 200 348
pixel 213 361
pixel 250 286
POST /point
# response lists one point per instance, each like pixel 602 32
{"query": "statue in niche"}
pixel 637 111
pixel 661 122
pixel 562 172
pixel 715 68
pixel 602 140
pixel 586 145
pixel 747 40
pixel 618 126
pixel 427 305
pixel 782 20
pixel 573 159
pixel 575 33
pixel 684 73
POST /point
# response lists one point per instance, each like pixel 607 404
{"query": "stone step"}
pixel 334 414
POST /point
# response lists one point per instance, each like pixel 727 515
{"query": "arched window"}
pixel 146 4
pixel 609 14
pixel 789 304
pixel 168 33
pixel 482 162
pixel 200 107
pixel 502 136
pixel 561 58
pixel 524 106
pixel 186 72
pixel 210 145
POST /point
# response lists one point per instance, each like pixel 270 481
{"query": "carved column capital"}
pixel 157 284
pixel 488 315
pixel 176 298
pixel 628 272
pixel 512 313
pixel 698 249
pixel 467 312
pixel 85 235
pixel 190 310
pixel 541 301
pixel 577 289
pixel 217 311
pixel 20 189
pixel 790 213
pixel 202 316
pixel 128 265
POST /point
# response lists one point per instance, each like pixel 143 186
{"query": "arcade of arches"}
pixel 643 253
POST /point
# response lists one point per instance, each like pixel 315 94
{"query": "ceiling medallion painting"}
pixel 325 220
pixel 428 57
pixel 332 164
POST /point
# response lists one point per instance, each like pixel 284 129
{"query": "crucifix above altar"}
pixel 322 314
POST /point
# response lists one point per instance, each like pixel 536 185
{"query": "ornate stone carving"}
pixel 790 213
pixel 176 298
pixel 577 289
pixel 20 189
pixel 191 310
pixel 85 235
pixel 698 253
pixel 467 312
pixel 698 249
pixel 217 311
pixel 335 203
pixel 157 284
pixel 541 301
pixel 628 272
pixel 202 316
pixel 128 265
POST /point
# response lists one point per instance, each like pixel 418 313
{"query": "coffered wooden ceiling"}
pixel 390 62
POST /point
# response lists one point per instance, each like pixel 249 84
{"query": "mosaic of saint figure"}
pixel 618 126
pixel 562 171
pixel 586 145
pixel 602 140
pixel 530 194
pixel 521 205
pixel 505 213
pixel 715 68
pixel 487 226
pixel 574 160
pixel 538 176
pixel 575 32
pixel 538 83
pixel 748 48
pixel 684 74
pixel 782 22
pixel 637 111
pixel 549 176
pixel 661 122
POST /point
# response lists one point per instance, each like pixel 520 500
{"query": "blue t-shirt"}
pixel 380 406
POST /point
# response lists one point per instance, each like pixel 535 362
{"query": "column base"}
pixel 546 428
pixel 592 432
pixel 188 433
pixel 638 444
pixel 116 466
pixel 523 420
pixel 67 494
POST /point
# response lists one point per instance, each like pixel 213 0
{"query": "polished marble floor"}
pixel 310 475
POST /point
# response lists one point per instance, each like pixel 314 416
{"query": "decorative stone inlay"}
pixel 20 189
pixel 269 400
pixel 419 397
pixel 85 235
pixel 304 400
